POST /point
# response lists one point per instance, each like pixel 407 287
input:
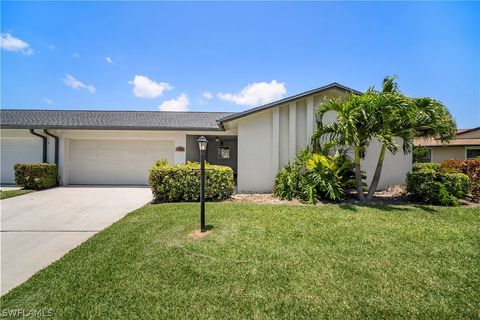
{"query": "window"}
pixel 223 153
pixel 472 153
pixel 427 157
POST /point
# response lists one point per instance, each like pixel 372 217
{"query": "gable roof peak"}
pixel 286 100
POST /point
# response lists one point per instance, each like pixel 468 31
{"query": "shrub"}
pixel 36 175
pixel 161 163
pixel 458 184
pixel 426 166
pixel 436 187
pixel 177 183
pixel 286 182
pixel 451 165
pixel 469 167
pixel 311 176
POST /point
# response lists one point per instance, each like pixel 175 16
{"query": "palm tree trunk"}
pixel 358 174
pixel 378 172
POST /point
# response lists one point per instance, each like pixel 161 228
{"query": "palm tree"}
pixel 352 128
pixel 406 118
pixel 390 106
pixel 386 116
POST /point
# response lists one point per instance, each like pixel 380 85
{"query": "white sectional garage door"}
pixel 115 161
pixel 18 150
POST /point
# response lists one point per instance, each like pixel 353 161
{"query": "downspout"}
pixel 44 153
pixel 57 146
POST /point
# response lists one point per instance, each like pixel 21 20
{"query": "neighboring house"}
pixel 119 147
pixel 466 145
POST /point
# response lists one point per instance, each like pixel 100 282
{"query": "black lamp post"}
pixel 202 145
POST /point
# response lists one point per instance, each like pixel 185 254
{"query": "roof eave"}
pixel 110 128
pixel 467 130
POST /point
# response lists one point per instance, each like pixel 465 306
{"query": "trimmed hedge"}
pixel 178 183
pixel 426 166
pixel 430 185
pixel 469 167
pixel 36 175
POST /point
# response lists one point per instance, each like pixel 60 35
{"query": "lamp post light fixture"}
pixel 202 145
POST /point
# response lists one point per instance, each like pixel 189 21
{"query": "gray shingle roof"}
pixel 135 120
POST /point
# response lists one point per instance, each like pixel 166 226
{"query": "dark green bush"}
pixel 469 167
pixel 178 183
pixel 458 184
pixel 436 187
pixel 36 175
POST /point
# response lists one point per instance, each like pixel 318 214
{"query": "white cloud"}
pixel 109 60
pixel 207 95
pixel 51 46
pixel 180 103
pixel 76 55
pixel 144 87
pixel 48 101
pixel 256 93
pixel 74 83
pixel 10 43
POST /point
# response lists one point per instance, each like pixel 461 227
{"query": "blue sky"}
pixel 232 56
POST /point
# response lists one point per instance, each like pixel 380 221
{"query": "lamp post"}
pixel 202 145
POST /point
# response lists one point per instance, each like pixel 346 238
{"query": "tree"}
pixel 406 118
pixel 352 128
pixel 394 113
pixel 387 116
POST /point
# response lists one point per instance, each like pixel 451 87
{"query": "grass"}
pixel 13 193
pixel 269 261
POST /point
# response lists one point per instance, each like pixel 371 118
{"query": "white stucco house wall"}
pixel 119 147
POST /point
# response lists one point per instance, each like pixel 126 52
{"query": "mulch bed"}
pixel 261 198
pixel 394 195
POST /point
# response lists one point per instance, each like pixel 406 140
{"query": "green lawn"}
pixel 269 261
pixel 13 193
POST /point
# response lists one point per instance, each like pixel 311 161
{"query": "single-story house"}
pixel 466 145
pixel 119 147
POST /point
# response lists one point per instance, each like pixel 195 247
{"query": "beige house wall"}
pixel 440 154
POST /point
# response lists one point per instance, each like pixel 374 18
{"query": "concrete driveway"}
pixel 39 228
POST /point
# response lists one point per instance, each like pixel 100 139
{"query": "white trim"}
pixel 292 126
pixel 275 140
pixel 310 119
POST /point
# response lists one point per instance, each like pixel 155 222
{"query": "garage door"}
pixel 18 150
pixel 115 161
